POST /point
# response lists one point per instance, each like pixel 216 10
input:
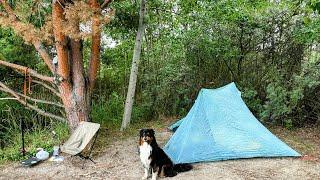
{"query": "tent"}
pixel 220 126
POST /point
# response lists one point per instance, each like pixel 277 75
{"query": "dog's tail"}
pixel 173 171
pixel 182 167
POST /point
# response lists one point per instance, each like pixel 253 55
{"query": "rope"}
pixel 27 84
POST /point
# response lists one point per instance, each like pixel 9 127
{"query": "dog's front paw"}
pixel 154 176
pixel 144 177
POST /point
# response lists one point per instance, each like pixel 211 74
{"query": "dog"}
pixel 154 159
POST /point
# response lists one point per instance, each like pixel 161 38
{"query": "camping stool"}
pixel 80 139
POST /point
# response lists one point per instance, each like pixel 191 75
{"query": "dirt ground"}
pixel 122 162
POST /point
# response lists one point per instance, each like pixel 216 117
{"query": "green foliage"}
pixel 126 19
pixel 13 49
pixel 290 102
pixel 252 100
pixel 262 46
pixel 108 111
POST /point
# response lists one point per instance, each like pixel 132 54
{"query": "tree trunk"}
pixel 75 84
pixel 76 109
pixel 74 90
pixel 134 69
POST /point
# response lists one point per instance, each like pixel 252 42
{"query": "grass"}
pixel 33 139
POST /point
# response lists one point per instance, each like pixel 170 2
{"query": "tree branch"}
pixel 40 100
pixel 44 54
pixel 47 86
pixel 2 14
pixel 8 98
pixel 31 71
pixel 94 63
pixel 35 108
pixel 36 42
pixel 7 8
pixel 105 4
pixel 32 99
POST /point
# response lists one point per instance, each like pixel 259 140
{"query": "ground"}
pixel 120 160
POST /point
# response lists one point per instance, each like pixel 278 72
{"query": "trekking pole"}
pixel 23 150
pixel 22 126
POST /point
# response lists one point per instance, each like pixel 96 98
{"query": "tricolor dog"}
pixel 154 159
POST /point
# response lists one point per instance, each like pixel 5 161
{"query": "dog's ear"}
pixel 152 132
pixel 141 132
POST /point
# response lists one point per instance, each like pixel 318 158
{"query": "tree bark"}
pixel 94 63
pixel 134 69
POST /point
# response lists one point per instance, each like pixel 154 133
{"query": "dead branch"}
pixel 40 101
pixel 31 99
pixel 8 98
pixel 35 108
pixel 31 71
pixel 47 86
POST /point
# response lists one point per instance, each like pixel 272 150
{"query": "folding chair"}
pixel 80 139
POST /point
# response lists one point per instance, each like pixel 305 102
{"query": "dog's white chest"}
pixel 145 152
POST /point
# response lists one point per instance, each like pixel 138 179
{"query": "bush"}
pixel 296 101
pixel 108 110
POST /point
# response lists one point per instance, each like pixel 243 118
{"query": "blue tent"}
pixel 220 126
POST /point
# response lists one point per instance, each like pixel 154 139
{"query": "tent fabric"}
pixel 80 138
pixel 175 125
pixel 220 126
